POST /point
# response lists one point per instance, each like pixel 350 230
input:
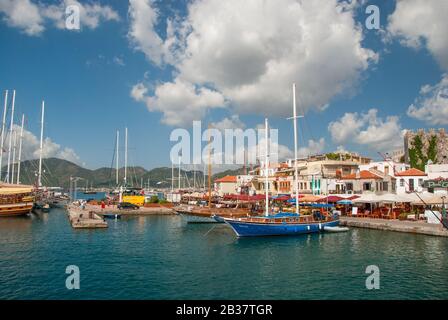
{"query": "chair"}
pixel 387 215
pixel 364 214
pixel 376 214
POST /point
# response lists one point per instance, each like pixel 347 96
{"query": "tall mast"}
pixel 178 182
pixel 266 166
pixel 20 150
pixel 14 143
pixel 125 154
pixel 116 158
pixel 203 176
pixel 296 171
pixel 209 169
pixel 3 133
pixel 172 176
pixel 194 177
pixel 10 135
pixel 39 179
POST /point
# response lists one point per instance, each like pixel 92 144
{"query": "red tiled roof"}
pixel 231 179
pixel 410 172
pixel 364 174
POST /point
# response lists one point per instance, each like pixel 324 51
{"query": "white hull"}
pixel 197 219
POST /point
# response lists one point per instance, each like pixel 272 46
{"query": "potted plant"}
pixel 403 216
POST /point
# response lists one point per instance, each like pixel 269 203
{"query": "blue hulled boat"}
pixel 278 225
pixel 281 223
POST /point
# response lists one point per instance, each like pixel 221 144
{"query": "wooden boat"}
pixel 282 223
pixel 16 200
pixel 197 214
pixel 278 225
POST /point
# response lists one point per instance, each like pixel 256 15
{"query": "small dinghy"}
pixel 111 216
pixel 336 229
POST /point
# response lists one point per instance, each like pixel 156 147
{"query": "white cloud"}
pixel 432 104
pixel 313 148
pixel 422 23
pixel 22 14
pixel 31 148
pixel 180 102
pixel 138 92
pixel 142 35
pixel 252 51
pixel 367 129
pixel 119 61
pixel 31 17
pixel 233 122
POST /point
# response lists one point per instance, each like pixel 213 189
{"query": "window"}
pixel 366 186
pixel 401 182
pixel 385 186
pixel 420 182
pixel 386 169
pixel 349 186
pixel 411 184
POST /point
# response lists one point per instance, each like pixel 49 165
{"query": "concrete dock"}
pixel 416 227
pixel 85 219
pixel 160 210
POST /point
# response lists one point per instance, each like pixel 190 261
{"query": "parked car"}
pixel 127 206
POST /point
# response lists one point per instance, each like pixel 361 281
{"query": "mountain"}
pixel 57 172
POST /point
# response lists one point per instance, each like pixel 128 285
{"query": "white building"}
pixel 410 180
pixel 437 180
pixel 388 167
pixel 436 171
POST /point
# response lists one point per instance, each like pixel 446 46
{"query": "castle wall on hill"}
pixel 425 137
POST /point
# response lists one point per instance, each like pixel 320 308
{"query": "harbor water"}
pixel 161 257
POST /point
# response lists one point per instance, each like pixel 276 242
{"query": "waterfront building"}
pixel 410 180
pixel 390 167
pixel 226 185
pixel 369 181
pixel 436 171
pixel 437 178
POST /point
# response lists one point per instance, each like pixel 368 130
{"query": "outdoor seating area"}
pixel 412 207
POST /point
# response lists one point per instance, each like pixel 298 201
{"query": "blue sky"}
pixel 86 77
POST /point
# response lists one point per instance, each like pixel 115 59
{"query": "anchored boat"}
pixel 15 200
pixel 278 225
pixel 282 223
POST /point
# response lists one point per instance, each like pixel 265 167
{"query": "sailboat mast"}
pixel 3 132
pixel 125 154
pixel 194 177
pixel 116 158
pixel 39 179
pixel 296 171
pixel 14 148
pixel 172 176
pixel 209 169
pixel 10 135
pixel 20 150
pixel 266 166
pixel 178 178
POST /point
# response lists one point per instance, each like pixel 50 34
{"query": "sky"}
pixel 154 66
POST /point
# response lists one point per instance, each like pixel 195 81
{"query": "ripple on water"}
pixel 163 258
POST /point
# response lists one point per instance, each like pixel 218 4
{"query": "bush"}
pixel 154 199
